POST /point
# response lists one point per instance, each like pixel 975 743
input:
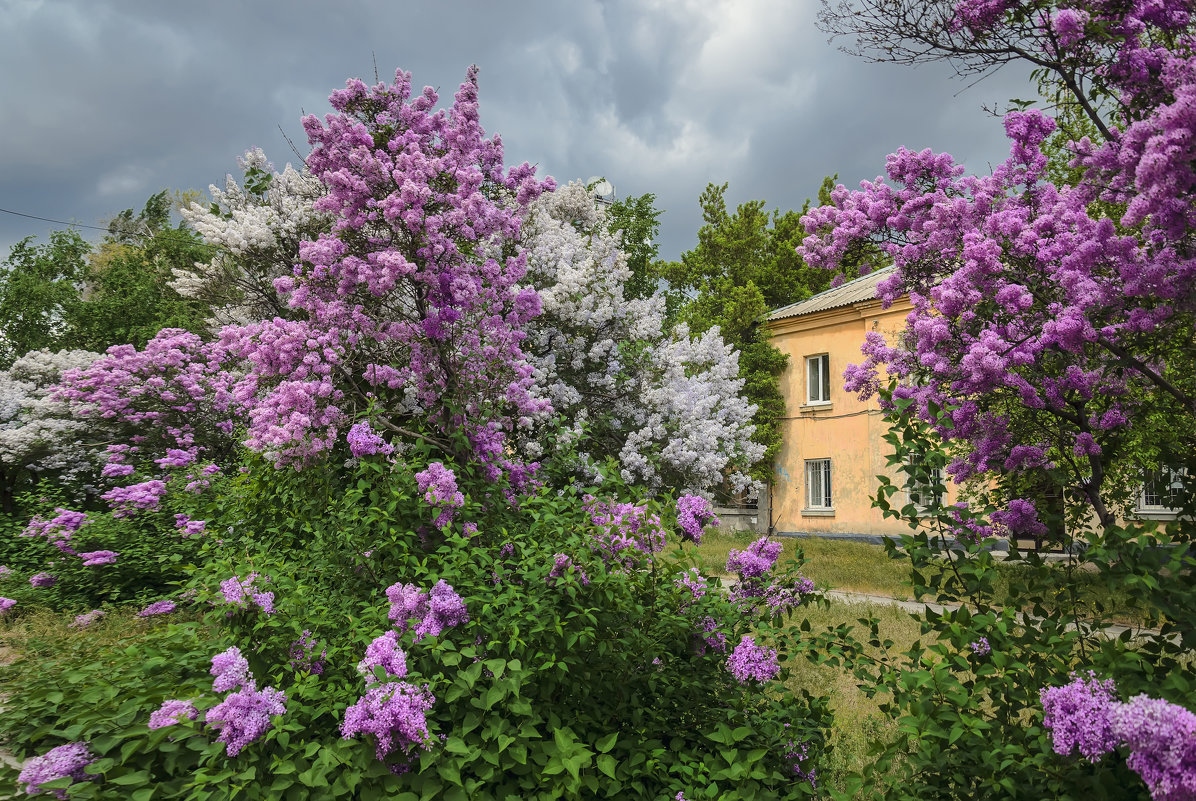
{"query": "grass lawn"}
pixel 831 564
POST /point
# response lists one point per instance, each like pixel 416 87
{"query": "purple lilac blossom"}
pixel 172 712
pixel 445 609
pixel 126 501
pixel 627 534
pixel 42 579
pixel 694 513
pixel 562 564
pixel 710 637
pixel 395 713
pixel 439 486
pixel 5 571
pixel 796 754
pixel 751 662
pixel 244 715
pixel 302 655
pixel 980 647
pixel 157 608
pixel 65 761
pixel 1161 737
pixel 86 619
pixel 94 558
pixel 693 581
pixel 407 602
pixel 756 560
pixel 383 652
pixel 231 670
pixel 245 594
pixel 364 441
pixel 1078 716
pixel 6 604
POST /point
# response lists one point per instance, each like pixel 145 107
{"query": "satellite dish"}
pixel 604 188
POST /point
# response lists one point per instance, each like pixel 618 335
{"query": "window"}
pixel 818 379
pixel 1162 491
pixel 926 493
pixel 818 484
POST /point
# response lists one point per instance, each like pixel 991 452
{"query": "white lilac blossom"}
pixel 608 365
pixel 257 228
pixel 37 431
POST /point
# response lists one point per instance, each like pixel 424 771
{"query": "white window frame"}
pixel 1174 481
pixel 816 390
pixel 924 493
pixel 820 468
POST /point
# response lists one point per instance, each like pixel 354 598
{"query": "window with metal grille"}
pixel 818 484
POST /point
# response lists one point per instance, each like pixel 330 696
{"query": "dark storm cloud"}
pixel 108 102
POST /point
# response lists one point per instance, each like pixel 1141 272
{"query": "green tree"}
pixel 67 294
pixel 744 265
pixel 637 220
pixel 129 297
pixel 40 292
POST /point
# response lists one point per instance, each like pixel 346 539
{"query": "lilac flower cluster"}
pixel 694 513
pixel 43 579
pixel 395 714
pixel 693 581
pixel 171 713
pixel 87 618
pixel 303 655
pixel 751 662
pixel 231 670
pixel 158 608
pixel 432 611
pixel 709 637
pixel 64 525
pixel 563 564
pixel 1161 737
pixel 94 558
pixel 383 652
pixel 627 534
pixel 981 647
pixel 796 755
pixel 756 560
pixel 126 501
pixel 5 571
pixel 439 486
pixel 65 761
pixel 243 715
pixel 6 604
pixel 245 594
pixel 364 441
pixel 189 527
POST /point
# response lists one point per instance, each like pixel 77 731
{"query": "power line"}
pixel 162 234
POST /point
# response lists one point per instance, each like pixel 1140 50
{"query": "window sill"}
pixel 817 406
pixel 1156 514
pixel 817 512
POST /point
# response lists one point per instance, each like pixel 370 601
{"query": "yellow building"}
pixel 832 442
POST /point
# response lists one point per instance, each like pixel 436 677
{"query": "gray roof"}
pixel 858 291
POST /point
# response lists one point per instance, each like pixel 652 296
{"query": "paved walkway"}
pixel 1112 631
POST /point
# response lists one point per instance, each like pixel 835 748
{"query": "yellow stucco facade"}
pixel 829 436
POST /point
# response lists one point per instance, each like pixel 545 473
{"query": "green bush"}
pixel 586 684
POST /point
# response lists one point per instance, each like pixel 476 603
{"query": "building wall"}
pixel 847 431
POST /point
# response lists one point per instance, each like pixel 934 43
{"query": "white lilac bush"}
pixel 385 594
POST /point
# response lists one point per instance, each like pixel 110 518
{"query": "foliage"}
pixel 1051 343
pixel 586 683
pixel 39 291
pixel 636 221
pixel 394 601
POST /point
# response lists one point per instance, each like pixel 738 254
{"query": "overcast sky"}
pixel 106 102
